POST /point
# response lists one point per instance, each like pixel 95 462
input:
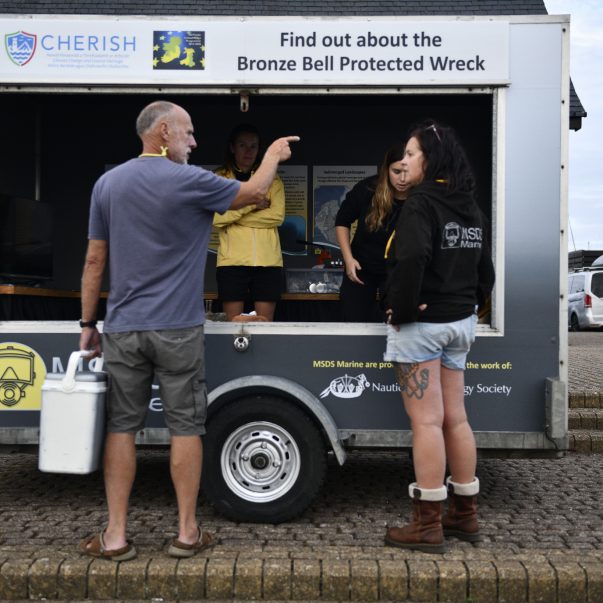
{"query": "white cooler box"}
pixel 72 420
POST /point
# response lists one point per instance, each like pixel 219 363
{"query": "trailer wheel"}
pixel 264 460
pixel 574 323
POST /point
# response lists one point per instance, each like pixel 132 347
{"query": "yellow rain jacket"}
pixel 249 237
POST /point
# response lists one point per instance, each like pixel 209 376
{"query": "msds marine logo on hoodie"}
pixel 456 236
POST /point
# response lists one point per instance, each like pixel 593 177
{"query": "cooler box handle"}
pixel 68 382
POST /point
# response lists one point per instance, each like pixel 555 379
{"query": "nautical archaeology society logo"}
pixel 346 387
pixel 20 47
pixel 353 387
pixel 179 50
pixel 22 373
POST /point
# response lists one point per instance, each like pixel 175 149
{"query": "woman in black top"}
pixel 374 202
pixel 441 272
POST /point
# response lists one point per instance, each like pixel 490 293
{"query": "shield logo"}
pixel 20 47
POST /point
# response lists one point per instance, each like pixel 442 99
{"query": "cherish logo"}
pixel 20 47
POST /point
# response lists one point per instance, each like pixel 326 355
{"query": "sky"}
pixel 585 151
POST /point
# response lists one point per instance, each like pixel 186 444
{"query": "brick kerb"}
pixel 419 577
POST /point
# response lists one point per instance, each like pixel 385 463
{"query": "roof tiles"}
pixel 276 7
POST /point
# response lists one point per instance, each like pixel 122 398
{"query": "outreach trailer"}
pixel 284 395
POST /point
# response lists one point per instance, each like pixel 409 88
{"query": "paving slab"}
pixel 542 524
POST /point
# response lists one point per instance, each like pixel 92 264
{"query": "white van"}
pixel 585 297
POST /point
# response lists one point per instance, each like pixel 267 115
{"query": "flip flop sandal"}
pixel 94 546
pixel 182 550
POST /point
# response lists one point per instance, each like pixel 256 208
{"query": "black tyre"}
pixel 574 323
pixel 264 460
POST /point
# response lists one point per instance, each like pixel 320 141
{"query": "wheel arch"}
pixel 283 388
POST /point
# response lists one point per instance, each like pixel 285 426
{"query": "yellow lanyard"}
pixel 389 244
pixel 164 152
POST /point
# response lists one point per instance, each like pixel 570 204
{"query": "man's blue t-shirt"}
pixel 156 216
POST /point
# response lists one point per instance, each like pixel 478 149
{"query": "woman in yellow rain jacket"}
pixel 250 262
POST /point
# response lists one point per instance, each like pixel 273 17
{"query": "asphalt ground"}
pixel 542 522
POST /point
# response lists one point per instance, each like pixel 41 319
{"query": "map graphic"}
pixel 180 50
pixel 331 185
pixel 327 199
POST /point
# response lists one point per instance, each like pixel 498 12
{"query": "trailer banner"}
pixel 204 51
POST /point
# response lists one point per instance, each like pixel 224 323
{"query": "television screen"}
pixel 26 228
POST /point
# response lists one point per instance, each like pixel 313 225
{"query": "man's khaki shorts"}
pixel 176 359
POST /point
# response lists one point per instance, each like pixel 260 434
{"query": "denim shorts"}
pixel 175 357
pixel 423 341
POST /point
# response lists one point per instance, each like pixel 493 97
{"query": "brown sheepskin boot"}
pixel 424 533
pixel 461 520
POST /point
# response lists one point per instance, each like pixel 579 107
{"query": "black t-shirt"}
pixel 368 247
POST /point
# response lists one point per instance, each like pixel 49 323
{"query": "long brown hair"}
pixel 383 198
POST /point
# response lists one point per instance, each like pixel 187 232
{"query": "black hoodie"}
pixel 441 257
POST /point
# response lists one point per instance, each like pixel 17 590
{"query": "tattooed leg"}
pixel 411 380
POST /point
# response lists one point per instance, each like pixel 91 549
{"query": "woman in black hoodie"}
pixel 440 273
